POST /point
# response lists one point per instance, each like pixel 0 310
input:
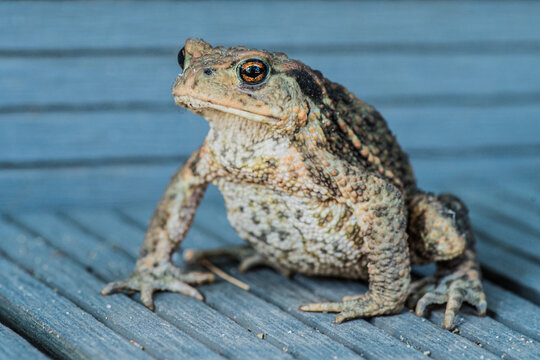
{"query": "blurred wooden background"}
pixel 87 117
pixel 89 136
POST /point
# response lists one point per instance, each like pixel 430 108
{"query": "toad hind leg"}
pixel 388 261
pixel 248 257
pixel 440 231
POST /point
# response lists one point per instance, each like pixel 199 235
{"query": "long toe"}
pixel 428 299
pixel 197 278
pixel 322 307
pixel 115 287
pixel 477 298
pixel 147 297
pixel 347 315
pixel 455 300
pixel 183 288
pixel 351 297
pixel 481 306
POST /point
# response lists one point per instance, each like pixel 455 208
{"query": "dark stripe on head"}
pixel 307 84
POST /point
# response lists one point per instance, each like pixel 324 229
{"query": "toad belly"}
pixel 297 233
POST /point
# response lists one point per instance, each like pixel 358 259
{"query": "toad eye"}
pixel 182 58
pixel 253 71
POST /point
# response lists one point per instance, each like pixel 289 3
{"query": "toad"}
pixel 315 182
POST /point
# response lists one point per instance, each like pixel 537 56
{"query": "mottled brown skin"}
pixel 316 183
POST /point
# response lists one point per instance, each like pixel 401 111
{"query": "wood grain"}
pixel 64 329
pixel 163 23
pixel 118 231
pixel 121 314
pixel 386 79
pixel 48 140
pixel 14 346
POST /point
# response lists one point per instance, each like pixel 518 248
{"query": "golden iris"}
pixel 253 71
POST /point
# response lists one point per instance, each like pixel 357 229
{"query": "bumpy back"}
pixel 361 135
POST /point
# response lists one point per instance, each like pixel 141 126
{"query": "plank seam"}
pixel 277 345
pixel 377 1
pixel 89 163
pixel 473 100
pixel 39 346
pixel 470 339
pixel 8 324
pixel 477 152
pixel 300 285
pixel 13 221
pixel 10 219
pixel 483 47
pixel 517 224
pixel 323 298
pixel 484 234
pixel 508 284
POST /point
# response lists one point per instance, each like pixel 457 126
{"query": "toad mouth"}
pixel 195 104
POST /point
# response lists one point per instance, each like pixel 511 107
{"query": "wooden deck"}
pixel 89 136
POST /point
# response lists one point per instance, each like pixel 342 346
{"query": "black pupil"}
pixel 253 71
pixel 181 58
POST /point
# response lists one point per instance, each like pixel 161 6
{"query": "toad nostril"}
pixel 209 71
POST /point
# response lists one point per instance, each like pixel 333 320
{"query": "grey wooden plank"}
pixel 364 335
pixel 376 79
pixel 513 311
pixel 506 206
pixel 525 200
pixel 270 283
pixel 115 136
pixel 507 236
pixel 87 186
pixel 504 306
pixel 126 317
pixel 358 334
pixel 105 224
pixel 478 330
pixel 239 341
pixel 141 215
pixel 201 321
pixel 55 323
pixel 524 196
pixel 485 332
pixel 88 24
pixel 505 223
pixel 109 185
pixel 280 328
pixel 448 175
pixel 13 346
pixel 492 335
pixel 102 136
pixel 515 272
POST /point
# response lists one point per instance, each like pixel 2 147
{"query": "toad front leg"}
pixel 170 223
pixel 382 211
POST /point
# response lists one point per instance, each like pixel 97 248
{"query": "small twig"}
pixel 222 274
